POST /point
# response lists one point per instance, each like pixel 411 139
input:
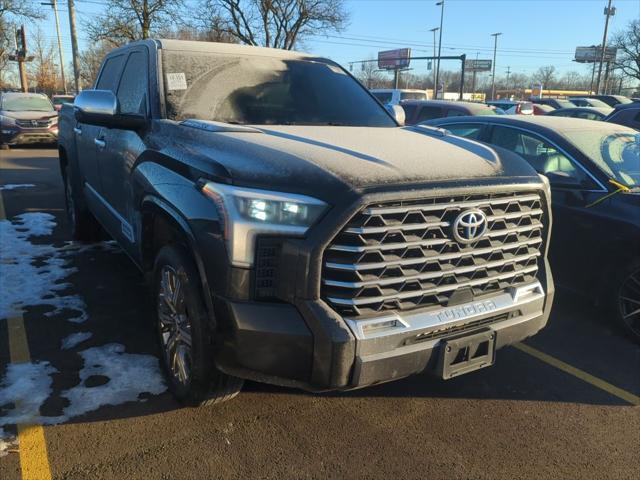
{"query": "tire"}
pixel 84 226
pixel 185 337
pixel 626 301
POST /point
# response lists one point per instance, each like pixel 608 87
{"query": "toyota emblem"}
pixel 470 226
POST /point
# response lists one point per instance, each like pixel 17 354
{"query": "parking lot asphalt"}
pixel 563 406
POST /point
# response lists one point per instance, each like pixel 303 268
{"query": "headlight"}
pixel 249 212
pixel 7 121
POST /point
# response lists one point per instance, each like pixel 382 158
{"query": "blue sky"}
pixel 535 32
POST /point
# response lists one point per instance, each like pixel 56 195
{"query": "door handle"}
pixel 101 144
pixel 77 130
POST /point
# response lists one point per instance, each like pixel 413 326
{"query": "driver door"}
pixel 576 227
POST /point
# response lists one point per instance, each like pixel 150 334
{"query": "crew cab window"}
pixel 109 75
pixel 428 113
pixel 465 130
pixel 132 92
pixel 544 157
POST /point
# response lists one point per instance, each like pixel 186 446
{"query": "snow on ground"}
pixel 129 374
pixel 13 186
pixel 7 443
pixel 23 390
pixel 30 273
pixel 75 339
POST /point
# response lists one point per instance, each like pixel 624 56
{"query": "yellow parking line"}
pixel 576 372
pixel 32 445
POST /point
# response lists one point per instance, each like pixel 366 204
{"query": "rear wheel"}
pixel 628 302
pixel 184 333
pixel 84 226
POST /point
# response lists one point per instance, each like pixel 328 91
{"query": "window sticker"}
pixel 176 81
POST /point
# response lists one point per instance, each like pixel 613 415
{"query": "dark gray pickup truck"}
pixel 293 232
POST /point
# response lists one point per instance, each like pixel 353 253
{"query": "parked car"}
pixel 417 111
pixel 628 115
pixel 553 102
pixel 588 102
pixel 393 96
pixel 594 171
pixel 27 118
pixel 59 100
pixel 513 107
pixel 612 100
pixel 292 231
pixel 542 109
pixel 588 113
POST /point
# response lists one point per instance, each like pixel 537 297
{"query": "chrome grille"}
pixel 34 123
pixel 403 256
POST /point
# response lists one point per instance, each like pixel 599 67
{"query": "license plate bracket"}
pixel 467 353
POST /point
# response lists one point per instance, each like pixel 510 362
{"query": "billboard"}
pixel 478 65
pixel 394 59
pixel 592 54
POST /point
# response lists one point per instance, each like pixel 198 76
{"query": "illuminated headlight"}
pixel 248 212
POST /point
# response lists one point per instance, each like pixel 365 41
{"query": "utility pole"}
pixel 20 56
pixel 435 89
pixel 493 74
pixel 508 75
pixel 440 4
pixel 55 12
pixel 609 11
pixel 74 44
pixel 473 81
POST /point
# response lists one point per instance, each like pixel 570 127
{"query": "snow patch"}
pixel 30 272
pixel 23 391
pixel 75 339
pixel 7 443
pixel 129 374
pixel 13 186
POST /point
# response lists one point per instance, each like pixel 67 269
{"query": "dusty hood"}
pixel 312 157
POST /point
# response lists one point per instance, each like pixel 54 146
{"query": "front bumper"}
pixel 22 136
pixel 271 343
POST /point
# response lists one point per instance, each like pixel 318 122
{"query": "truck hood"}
pixel 306 158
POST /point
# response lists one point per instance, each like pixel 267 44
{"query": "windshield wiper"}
pixel 621 188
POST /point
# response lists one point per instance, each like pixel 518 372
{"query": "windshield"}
pixel 26 103
pixel 616 153
pixel 413 95
pixel 257 90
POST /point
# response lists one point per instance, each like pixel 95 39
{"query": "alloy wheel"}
pixel 629 302
pixel 174 326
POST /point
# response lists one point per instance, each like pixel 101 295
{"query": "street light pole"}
pixel 493 75
pixel 55 12
pixel 440 4
pixel 434 30
pixel 608 11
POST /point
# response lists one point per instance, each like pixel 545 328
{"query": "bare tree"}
pixel 546 76
pixel 90 61
pixel 368 73
pixel 42 70
pixel 276 23
pixel 128 20
pixel 11 12
pixel 628 44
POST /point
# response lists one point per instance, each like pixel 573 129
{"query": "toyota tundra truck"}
pixel 292 230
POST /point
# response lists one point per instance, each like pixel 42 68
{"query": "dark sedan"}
pixel 627 115
pixel 417 111
pixel 594 171
pixel 588 113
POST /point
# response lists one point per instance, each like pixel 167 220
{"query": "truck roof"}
pixel 228 48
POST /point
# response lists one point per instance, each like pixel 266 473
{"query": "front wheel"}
pixel 185 336
pixel 628 302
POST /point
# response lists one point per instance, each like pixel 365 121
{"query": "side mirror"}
pixel 396 112
pixel 101 108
